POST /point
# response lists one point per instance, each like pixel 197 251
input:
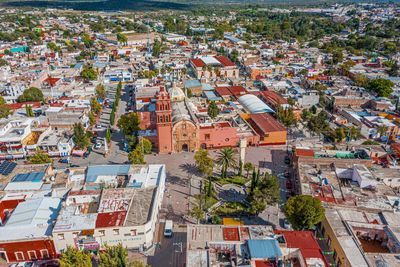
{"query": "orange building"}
pixel 271 132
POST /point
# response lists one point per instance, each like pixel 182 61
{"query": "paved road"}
pixel 172 250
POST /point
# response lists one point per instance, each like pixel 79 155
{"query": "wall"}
pixel 218 137
pixel 274 138
pixel 28 245
pixel 335 244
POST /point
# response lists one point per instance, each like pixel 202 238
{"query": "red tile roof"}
pixel 51 81
pixel 225 61
pixel 197 62
pixel 223 91
pixel 266 123
pixel 16 106
pixel 302 152
pixel 110 219
pixel 231 234
pixel 262 263
pixel 305 241
pixel 273 97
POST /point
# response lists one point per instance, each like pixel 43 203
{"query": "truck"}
pixel 168 228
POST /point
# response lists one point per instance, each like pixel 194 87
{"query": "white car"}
pixel 98 126
pixel 98 145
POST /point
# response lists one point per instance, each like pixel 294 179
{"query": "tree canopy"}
pixel 40 157
pixel 89 74
pixel 204 162
pixel 80 138
pixel 304 211
pixel 129 123
pixel 31 94
pixel 114 256
pixel 213 110
pixel 381 86
pixel 75 258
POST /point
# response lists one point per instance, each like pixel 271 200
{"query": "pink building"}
pixel 219 134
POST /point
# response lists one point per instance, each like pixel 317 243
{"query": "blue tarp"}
pixel 264 249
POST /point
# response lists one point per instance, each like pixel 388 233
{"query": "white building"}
pixel 93 218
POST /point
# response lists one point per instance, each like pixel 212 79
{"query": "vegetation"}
pixel 304 212
pixel 136 156
pixel 31 94
pixel 100 91
pixel 286 116
pixel 204 162
pixel 40 157
pixel 381 87
pixel 88 73
pixel 122 38
pixel 4 109
pixel 129 123
pixel 75 258
pixel 226 159
pixel 95 106
pixel 213 110
pixel 29 111
pixel 370 143
pixel 80 137
pixel 114 256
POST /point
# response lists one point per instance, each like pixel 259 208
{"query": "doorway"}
pixel 185 148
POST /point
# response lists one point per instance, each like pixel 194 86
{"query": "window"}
pixel 75 234
pixel 44 253
pixel 102 232
pixel 61 237
pixel 133 232
pixel 116 231
pixel 207 136
pixel 32 255
pixel 19 256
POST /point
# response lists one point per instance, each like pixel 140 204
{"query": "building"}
pixel 93 218
pixel 213 67
pixel 26 233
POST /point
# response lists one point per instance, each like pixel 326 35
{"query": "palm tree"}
pixel 226 159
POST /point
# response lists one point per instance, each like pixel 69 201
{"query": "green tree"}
pixel 248 167
pixel 204 162
pixel 31 94
pixel 75 258
pixel 340 134
pixel 226 159
pixel 80 138
pixel 136 156
pixel 146 145
pixel 157 48
pixel 382 129
pixel 92 118
pixel 89 74
pixel 129 123
pixel 40 157
pixel 29 111
pixel 95 106
pixel 114 256
pixel 122 38
pixel 304 211
pixel 108 135
pixel 286 116
pixel 3 62
pixel 213 110
pixel 100 91
pixel 4 111
pixel 381 86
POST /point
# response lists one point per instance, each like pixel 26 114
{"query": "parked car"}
pixel 98 126
pixel 98 145
pixel 64 160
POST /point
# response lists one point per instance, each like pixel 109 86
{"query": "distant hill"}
pixel 141 5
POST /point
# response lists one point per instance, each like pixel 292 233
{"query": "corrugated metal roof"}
pixel 264 249
pixel 254 105
pixel 106 170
